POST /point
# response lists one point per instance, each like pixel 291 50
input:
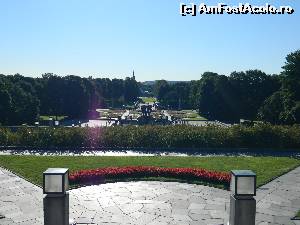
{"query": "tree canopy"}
pixel 282 107
pixel 23 99
pixel 250 95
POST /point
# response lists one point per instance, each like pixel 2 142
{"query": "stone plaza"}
pixel 149 202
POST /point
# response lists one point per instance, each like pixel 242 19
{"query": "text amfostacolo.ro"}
pixel 242 8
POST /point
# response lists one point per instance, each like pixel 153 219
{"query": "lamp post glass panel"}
pixel 56 181
pixel 243 183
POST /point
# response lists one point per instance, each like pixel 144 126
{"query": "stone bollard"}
pixel 242 202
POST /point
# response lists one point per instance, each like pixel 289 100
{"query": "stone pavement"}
pixel 154 203
pixel 279 200
pixel 20 201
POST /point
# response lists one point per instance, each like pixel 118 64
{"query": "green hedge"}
pixel 258 136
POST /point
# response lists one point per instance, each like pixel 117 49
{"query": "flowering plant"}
pixel 94 176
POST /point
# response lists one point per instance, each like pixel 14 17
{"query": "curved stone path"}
pixel 155 203
pixel 140 203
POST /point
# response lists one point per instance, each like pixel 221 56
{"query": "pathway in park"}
pixel 155 203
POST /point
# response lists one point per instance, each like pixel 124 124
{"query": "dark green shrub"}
pixel 258 136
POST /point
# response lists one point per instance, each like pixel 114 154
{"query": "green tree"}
pixel 283 106
pixel 277 109
pixel 160 89
pixel 291 75
pixel 5 104
pixel 131 90
pixel 251 88
pixel 217 100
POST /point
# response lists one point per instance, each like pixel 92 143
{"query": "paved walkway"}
pixel 20 201
pixel 154 203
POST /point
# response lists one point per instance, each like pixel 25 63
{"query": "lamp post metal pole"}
pixel 56 198
pixel 242 202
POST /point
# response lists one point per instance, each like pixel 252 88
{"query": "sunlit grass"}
pixel 45 117
pixel 32 167
pixel 148 99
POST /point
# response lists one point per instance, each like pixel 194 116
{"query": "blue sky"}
pixel 111 38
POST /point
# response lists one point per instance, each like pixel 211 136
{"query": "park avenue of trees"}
pixel 251 95
pixel 23 99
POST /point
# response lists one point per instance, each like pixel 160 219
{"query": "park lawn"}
pixel 193 115
pixel 200 118
pixel 45 117
pixel 32 167
pixel 298 214
pixel 148 99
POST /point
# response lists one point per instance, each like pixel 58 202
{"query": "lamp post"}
pixel 56 198
pixel 242 202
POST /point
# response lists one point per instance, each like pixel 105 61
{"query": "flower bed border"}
pixel 101 175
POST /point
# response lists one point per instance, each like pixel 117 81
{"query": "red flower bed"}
pixel 99 175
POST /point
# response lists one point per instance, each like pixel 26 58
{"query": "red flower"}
pixel 100 174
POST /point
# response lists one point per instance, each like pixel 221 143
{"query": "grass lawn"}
pixel 200 118
pixel 298 214
pixel 32 167
pixel 44 117
pixel 148 99
pixel 193 115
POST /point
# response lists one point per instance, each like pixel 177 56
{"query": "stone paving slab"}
pixel 154 203
pixel 139 203
pixel 20 201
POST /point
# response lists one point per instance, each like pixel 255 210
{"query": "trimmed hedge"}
pixel 258 136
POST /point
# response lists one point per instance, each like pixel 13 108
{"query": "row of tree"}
pixel 251 95
pixel 23 99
